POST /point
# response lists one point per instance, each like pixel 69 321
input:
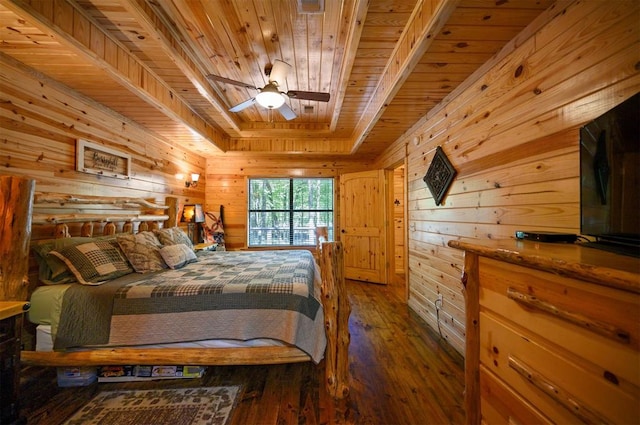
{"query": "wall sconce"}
pixel 194 180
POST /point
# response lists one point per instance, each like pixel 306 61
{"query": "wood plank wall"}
pixel 512 133
pixel 41 120
pixel 227 183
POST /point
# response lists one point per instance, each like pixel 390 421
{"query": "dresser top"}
pixel 12 308
pixel 572 260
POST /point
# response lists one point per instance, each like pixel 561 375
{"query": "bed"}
pixel 204 308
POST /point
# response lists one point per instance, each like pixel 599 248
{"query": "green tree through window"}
pixel 287 211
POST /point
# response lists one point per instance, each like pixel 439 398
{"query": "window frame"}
pixel 291 211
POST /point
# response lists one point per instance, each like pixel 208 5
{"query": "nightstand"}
pixel 10 345
pixel 205 247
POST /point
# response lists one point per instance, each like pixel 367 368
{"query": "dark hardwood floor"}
pixel 400 373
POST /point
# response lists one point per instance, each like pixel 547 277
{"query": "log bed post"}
pixel 337 310
pixel 16 210
pixel 172 211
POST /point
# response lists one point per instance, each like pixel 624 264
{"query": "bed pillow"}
pixel 51 269
pixel 178 255
pixel 173 236
pixel 96 262
pixel 142 250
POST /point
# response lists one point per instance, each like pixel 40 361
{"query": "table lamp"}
pixel 192 215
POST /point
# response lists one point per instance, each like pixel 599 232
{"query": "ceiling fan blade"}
pixel 230 81
pixel 308 95
pixel 287 112
pixel 279 72
pixel 240 106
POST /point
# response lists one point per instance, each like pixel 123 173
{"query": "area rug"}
pixel 183 406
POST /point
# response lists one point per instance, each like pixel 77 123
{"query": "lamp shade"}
pixel 270 97
pixel 192 214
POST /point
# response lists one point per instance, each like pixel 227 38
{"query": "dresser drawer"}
pixel 548 377
pixel 599 324
pixel 501 405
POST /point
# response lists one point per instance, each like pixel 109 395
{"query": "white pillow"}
pixel 178 255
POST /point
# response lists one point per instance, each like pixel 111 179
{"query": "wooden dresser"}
pixel 553 333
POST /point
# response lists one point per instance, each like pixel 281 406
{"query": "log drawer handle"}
pixel 557 393
pixel 602 328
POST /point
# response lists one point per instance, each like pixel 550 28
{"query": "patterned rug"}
pixel 183 406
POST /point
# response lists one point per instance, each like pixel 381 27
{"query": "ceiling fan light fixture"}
pixel 270 97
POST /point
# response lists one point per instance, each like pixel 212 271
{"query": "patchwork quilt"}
pixel 240 295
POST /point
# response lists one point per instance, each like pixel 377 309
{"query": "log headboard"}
pixel 115 214
pixel 59 215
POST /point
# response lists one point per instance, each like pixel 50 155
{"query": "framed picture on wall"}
pixel 93 158
pixel 439 176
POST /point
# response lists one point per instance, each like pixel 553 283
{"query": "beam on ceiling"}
pixel 136 77
pixel 356 16
pixel 427 18
pixel 154 20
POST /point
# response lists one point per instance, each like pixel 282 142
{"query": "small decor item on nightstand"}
pixel 439 175
pixel 193 215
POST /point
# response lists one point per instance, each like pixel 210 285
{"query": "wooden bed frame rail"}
pixel 334 299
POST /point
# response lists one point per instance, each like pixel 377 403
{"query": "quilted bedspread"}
pixel 239 295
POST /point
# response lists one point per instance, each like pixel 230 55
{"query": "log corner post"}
pixel 16 211
pixel 471 281
pixel 337 310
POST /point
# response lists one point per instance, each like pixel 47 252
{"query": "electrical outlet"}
pixel 440 298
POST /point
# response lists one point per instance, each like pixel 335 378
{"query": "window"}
pixel 287 211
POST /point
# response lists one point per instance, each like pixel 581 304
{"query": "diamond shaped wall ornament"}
pixel 439 175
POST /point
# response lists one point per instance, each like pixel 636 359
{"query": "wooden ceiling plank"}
pixel 496 16
pixel 349 36
pixel 182 56
pixel 257 30
pixel 427 18
pixel 116 61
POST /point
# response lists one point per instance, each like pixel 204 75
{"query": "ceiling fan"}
pixel 270 96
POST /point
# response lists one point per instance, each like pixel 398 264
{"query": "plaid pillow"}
pixel 142 251
pixel 173 236
pixel 96 262
pixel 52 270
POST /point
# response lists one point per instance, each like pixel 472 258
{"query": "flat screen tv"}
pixel 610 179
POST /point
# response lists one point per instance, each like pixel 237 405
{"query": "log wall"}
pixel 512 133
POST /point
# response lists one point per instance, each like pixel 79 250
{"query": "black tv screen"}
pixel 610 179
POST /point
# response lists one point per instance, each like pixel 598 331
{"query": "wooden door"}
pixel 362 226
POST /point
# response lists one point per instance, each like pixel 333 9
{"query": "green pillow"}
pixel 51 269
